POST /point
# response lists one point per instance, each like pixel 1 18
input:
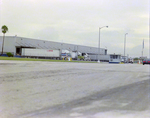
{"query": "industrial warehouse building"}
pixel 14 44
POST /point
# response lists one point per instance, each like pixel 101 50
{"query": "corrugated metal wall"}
pixel 11 42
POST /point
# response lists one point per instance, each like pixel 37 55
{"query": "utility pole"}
pixel 125 45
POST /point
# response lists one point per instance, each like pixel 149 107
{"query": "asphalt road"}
pixel 74 90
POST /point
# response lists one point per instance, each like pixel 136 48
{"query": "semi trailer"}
pixel 79 56
pixel 96 57
pixel 44 53
pixel 54 54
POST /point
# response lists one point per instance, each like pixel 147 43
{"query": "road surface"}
pixel 74 90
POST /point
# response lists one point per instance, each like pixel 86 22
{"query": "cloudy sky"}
pixel 78 22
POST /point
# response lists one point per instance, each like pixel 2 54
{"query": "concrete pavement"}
pixel 74 90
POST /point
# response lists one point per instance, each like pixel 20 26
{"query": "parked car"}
pixel 146 61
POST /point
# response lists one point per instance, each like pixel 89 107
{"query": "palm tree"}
pixel 4 30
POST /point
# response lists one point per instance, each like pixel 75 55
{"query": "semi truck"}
pixel 44 53
pixel 77 55
pixel 54 54
pixel 83 56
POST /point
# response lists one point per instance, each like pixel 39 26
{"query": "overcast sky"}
pixel 78 22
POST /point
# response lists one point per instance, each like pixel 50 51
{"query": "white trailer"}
pixel 94 57
pixel 40 53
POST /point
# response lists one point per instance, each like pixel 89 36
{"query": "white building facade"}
pixel 15 44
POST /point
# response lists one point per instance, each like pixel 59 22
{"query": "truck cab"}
pixel 83 56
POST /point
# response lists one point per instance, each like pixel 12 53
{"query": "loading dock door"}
pixel 18 50
pixel 105 52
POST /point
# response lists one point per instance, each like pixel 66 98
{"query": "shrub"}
pixel 136 58
pixel 9 54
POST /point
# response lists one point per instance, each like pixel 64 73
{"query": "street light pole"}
pixel 99 44
pixel 124 45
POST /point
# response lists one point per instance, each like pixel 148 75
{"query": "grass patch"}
pixel 31 59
